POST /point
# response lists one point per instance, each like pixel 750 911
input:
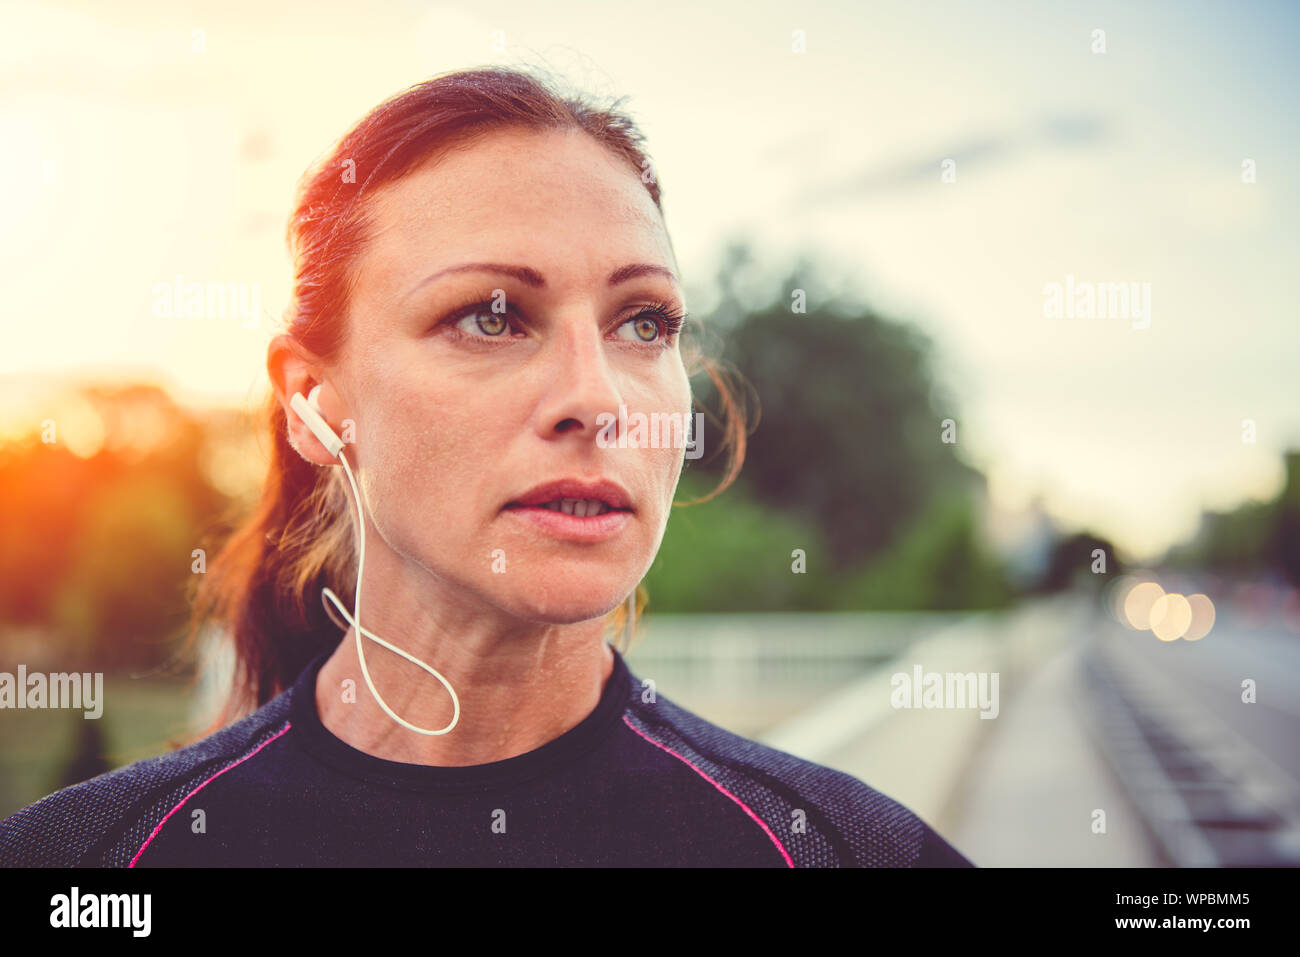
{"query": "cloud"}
pixel 978 153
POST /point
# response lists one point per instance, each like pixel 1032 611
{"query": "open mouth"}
pixel 577 507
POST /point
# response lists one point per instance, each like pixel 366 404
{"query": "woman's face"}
pixel 460 410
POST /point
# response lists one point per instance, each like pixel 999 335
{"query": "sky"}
pixel 142 141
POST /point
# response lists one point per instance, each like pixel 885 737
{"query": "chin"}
pixel 565 604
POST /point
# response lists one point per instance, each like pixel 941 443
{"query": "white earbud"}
pixel 308 410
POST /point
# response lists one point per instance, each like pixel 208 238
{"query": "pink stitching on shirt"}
pixel 743 805
pixel 154 832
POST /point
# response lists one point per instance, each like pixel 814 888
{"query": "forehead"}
pixel 556 201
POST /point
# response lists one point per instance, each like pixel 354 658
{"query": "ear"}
pixel 292 369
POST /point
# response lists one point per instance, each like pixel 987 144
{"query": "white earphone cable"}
pixel 354 619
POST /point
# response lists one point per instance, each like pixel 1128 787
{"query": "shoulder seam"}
pixel 95 822
pixel 743 806
pixel 205 782
pixel 833 835
pixel 146 801
pixel 95 854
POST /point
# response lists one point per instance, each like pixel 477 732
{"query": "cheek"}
pixel 426 459
pixel 661 463
pixel 667 465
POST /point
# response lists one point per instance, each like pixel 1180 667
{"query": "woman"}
pixel 483 278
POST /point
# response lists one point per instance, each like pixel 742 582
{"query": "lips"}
pixel 554 494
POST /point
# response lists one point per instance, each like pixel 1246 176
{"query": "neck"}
pixel 516 692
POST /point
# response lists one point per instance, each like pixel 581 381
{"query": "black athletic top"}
pixel 639 782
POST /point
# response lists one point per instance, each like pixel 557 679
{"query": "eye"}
pixel 644 328
pixel 494 325
pixel 477 320
pixel 656 323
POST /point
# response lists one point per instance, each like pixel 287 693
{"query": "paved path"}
pixel 1028 795
pixel 1018 789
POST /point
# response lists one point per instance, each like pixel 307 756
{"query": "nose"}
pixel 581 382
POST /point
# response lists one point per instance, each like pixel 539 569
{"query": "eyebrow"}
pixel 535 279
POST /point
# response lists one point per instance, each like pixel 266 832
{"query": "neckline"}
pixel 340 755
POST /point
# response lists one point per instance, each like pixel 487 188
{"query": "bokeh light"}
pixel 1202 617
pixel 1138 604
pixel 1170 616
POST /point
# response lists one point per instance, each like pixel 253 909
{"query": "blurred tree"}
pixel 125 585
pixel 43 493
pixel 1234 542
pixel 1253 538
pixel 1071 560
pixel 732 554
pixel 96 543
pixel 1284 541
pixel 849 435
pixel 938 564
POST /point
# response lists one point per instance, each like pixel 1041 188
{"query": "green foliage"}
pixel 97 549
pixel 939 564
pixel 1284 542
pixel 732 554
pixel 1253 537
pixel 849 435
pixel 846 463
pixel 130 564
